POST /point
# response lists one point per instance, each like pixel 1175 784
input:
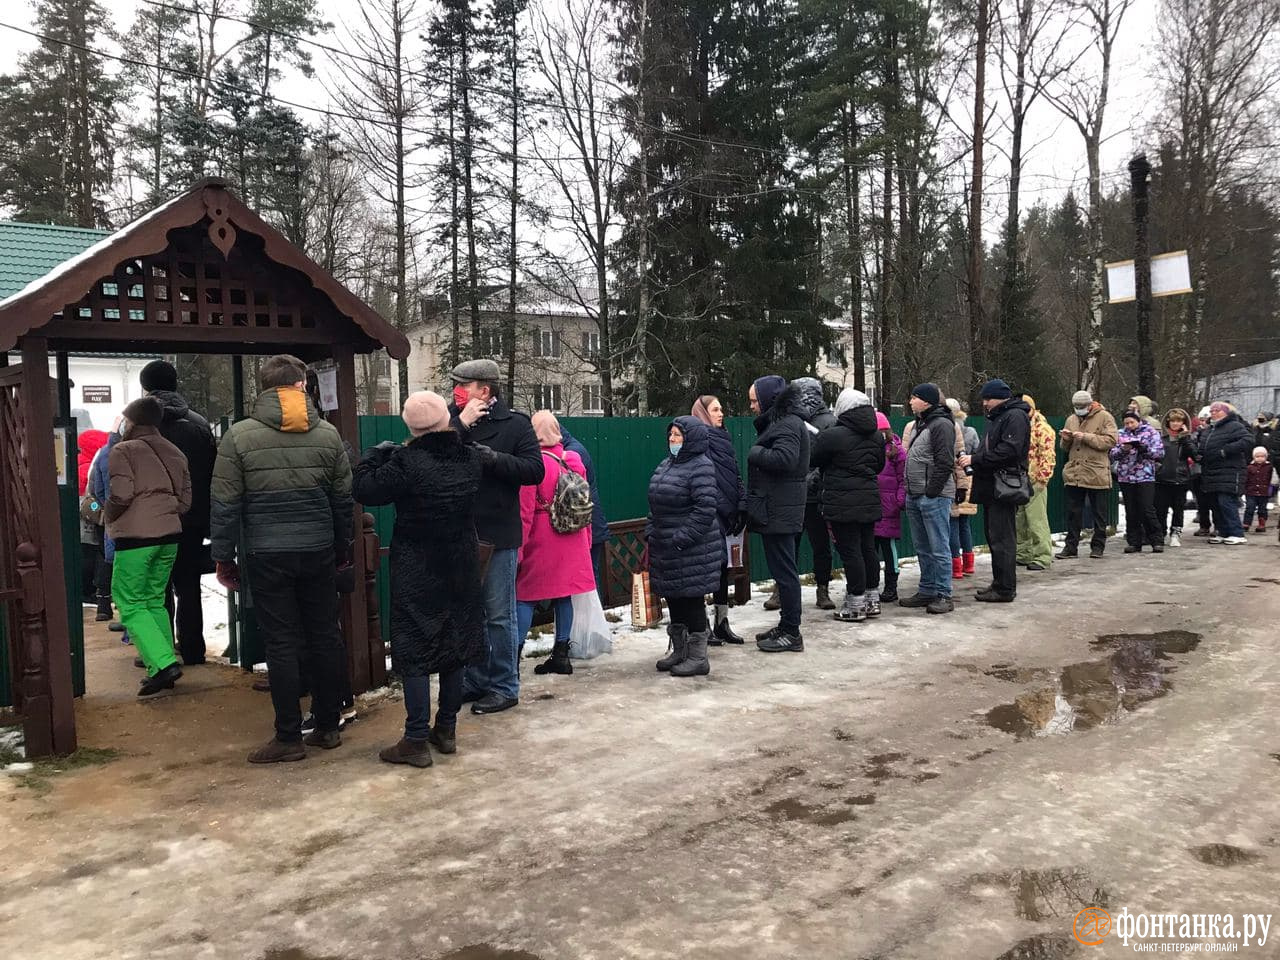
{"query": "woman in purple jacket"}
pixel 1136 455
pixel 893 498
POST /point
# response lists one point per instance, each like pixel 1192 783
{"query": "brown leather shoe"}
pixel 325 739
pixel 275 751
pixel 262 686
pixel 415 753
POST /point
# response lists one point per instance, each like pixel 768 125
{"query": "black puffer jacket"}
pixel 1224 454
pixel 778 468
pixel 190 433
pixel 731 495
pixel 1006 443
pixel 686 545
pixel 437 599
pixel 1175 468
pixel 851 456
pixel 814 411
pixel 519 463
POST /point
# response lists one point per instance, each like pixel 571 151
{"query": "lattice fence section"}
pixel 13 473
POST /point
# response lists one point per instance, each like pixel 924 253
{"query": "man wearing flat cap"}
pixel 1005 445
pixel 511 458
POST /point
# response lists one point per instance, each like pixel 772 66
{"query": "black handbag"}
pixel 1012 486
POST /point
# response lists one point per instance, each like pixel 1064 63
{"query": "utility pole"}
pixel 1139 180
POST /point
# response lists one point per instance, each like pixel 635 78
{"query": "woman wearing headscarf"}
pixel 437 598
pixel 851 455
pixel 731 503
pixel 686 545
pixel 150 491
pixel 893 500
pixel 551 565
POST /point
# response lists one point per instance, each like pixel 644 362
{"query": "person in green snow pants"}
pixel 150 491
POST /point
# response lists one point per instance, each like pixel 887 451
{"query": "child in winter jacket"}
pixel 1137 452
pixel 1257 488
pixel 1173 475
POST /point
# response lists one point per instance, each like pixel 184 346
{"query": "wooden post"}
pixel 1139 180
pixel 64 385
pixel 362 649
pixel 47 531
pixel 372 561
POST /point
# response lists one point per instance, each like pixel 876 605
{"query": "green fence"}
pixel 626 450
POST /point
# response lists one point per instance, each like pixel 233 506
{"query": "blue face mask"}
pixel 675 448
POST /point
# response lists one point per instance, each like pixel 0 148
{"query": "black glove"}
pixel 738 523
pixel 487 454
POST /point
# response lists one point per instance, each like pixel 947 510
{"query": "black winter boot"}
pixel 677 644
pixel 723 633
pixel 774 602
pixel 824 597
pixel 695 663
pixel 558 662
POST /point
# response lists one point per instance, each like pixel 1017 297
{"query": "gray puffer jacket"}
pixel 931 456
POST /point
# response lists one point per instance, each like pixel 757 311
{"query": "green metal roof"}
pixel 30 250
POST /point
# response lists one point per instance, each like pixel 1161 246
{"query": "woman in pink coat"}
pixel 552 566
pixel 893 498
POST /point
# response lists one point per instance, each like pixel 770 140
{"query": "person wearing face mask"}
pixel 1088 437
pixel 150 491
pixel 511 458
pixel 1224 454
pixel 686 543
pixel 731 503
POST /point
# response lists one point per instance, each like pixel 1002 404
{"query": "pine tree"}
pixel 57 114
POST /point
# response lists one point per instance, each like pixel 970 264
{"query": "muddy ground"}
pixel 917 787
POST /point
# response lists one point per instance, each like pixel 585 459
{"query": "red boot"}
pixel 957 568
pixel 968 563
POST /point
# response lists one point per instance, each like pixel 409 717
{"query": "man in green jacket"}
pixel 282 496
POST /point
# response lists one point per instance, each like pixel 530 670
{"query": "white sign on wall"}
pixel 1170 275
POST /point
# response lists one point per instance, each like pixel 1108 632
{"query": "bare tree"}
pixel 375 89
pixel 1082 99
pixel 582 155
pixel 1220 71
pixel 974 290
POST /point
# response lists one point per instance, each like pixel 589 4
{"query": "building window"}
pixel 591 399
pixel 546 343
pixel 591 345
pixel 491 343
pixel 548 396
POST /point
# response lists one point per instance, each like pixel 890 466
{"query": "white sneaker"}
pixel 1216 539
pixel 1234 541
pixel 1175 540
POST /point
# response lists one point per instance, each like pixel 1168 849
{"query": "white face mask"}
pixel 1081 411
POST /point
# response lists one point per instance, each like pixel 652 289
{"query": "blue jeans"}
pixel 500 671
pixel 961 536
pixel 417 704
pixel 564 618
pixel 930 520
pixel 1226 514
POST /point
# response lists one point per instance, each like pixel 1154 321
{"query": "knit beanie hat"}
pixel 425 412
pixel 882 422
pixel 996 390
pixel 1259 450
pixel 1082 398
pixel 145 412
pixel 767 390
pixel 928 392
pixel 159 375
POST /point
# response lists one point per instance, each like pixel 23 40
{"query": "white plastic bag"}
pixel 590 635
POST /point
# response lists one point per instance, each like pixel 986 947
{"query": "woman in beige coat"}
pixel 150 491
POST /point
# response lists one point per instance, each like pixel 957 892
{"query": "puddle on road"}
pixel 798 811
pixel 1043 946
pixel 1224 855
pixel 293 953
pixel 862 800
pixel 1042 894
pixel 1093 692
pixel 1013 674
pixel 1265 580
pixel 487 951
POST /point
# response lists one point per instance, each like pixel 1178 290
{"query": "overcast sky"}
pixel 1054 157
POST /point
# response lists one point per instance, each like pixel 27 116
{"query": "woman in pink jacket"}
pixel 552 566
pixel 893 498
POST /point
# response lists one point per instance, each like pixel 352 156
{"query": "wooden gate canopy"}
pixel 200 274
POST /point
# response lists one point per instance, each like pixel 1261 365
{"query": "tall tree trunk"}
pixel 468 186
pixel 455 346
pixel 1092 380
pixel 1012 221
pixel 643 306
pixel 975 198
pixel 509 332
pixel 402 240
pixel 853 225
pixel 885 393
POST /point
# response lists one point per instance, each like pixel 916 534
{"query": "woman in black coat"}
pixel 851 456
pixel 437 600
pixel 686 545
pixel 731 503
pixel 1224 453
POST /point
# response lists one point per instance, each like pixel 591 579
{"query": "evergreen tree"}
pixel 57 114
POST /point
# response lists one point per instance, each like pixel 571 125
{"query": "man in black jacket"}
pixel 190 433
pixel 1005 445
pixel 777 482
pixel 818 417
pixel 512 459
